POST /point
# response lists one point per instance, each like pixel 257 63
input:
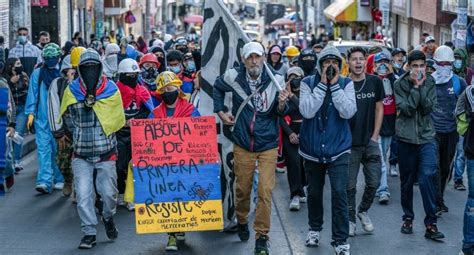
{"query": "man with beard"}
pixel 307 61
pixel 149 66
pixel 365 127
pixel 36 108
pixel 257 106
pixel 95 113
pixel 137 104
pixel 387 132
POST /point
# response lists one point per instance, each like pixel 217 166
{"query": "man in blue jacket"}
pixel 255 135
pixel 327 102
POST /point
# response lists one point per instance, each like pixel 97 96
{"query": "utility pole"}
pixel 305 22
pixel 147 20
pixel 461 31
pixel 163 19
pixel 297 5
pixel 19 16
pixel 99 18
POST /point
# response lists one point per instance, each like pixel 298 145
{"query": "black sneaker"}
pixel 87 242
pixel 110 229
pixel 407 227
pixel 433 233
pixel 261 246
pixel 459 185
pixel 243 232
pixel 444 208
pixel 439 211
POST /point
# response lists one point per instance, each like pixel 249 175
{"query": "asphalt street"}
pixel 49 224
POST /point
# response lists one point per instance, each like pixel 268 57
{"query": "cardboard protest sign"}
pixel 176 175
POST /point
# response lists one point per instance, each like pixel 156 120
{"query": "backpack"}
pixel 456 85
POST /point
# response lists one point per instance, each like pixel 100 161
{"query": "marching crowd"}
pixel 322 112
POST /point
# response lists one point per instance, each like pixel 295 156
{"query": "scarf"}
pixel 442 74
pixel 110 64
pixel 48 75
pixel 139 93
pixel 183 109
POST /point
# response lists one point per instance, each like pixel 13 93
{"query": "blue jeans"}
pixel 418 162
pixel 394 151
pixel 468 229
pixel 384 145
pixel 459 160
pixel 21 120
pixel 106 184
pixel 338 172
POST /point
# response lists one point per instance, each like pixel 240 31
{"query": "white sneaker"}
pixel 383 199
pixel 393 171
pixel 59 186
pixel 352 228
pixel 366 222
pixel 312 240
pixel 303 200
pixel 295 204
pixel 280 170
pixel 120 200
pixel 342 249
pixel 131 206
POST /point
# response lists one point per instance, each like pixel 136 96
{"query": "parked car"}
pixel 344 45
pixel 252 25
pixel 253 35
pixel 286 40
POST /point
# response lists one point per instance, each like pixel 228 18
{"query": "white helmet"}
pixel 128 65
pixel 443 54
pixel 167 37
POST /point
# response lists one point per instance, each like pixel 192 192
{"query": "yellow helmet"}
pixel 167 78
pixel 76 56
pixel 292 51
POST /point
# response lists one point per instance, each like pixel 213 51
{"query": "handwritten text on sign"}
pixel 176 174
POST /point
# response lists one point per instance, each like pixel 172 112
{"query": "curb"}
pixel 29 145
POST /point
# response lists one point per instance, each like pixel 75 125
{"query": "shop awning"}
pixel 347 11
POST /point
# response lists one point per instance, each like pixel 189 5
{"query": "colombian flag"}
pixel 108 106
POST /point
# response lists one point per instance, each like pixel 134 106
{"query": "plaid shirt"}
pixel 89 140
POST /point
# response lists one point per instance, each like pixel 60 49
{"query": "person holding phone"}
pixel 327 102
pixel 415 95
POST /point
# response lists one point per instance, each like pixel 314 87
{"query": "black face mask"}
pixel 149 75
pixel 76 75
pixel 170 97
pixel 18 69
pixel 295 83
pixel 330 73
pixel 308 66
pixel 129 80
pixel 90 75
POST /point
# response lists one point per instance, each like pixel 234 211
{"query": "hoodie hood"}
pixel 91 75
pixel 66 64
pixel 463 55
pixel 155 49
pixel 328 52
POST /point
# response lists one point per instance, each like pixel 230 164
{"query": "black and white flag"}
pixel 222 41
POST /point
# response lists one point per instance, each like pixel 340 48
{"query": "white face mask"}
pixel 442 73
